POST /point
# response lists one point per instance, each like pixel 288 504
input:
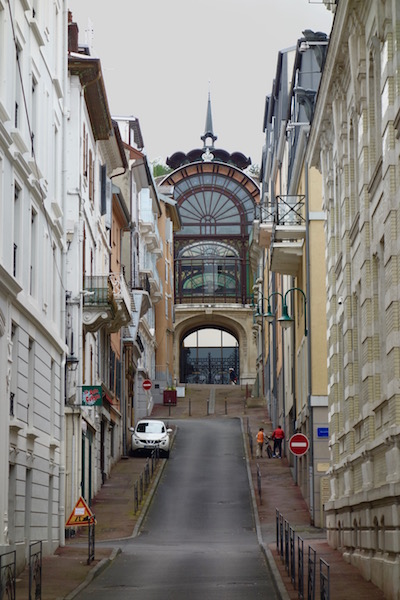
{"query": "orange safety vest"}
pixel 260 437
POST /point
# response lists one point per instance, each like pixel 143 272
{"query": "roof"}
pixel 89 71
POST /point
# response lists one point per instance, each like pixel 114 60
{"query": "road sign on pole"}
pixel 299 444
pixel 146 385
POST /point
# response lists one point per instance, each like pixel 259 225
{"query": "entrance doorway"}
pixel 207 355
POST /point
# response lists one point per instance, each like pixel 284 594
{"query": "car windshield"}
pixel 150 427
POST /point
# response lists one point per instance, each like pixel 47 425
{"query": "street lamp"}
pixel 285 320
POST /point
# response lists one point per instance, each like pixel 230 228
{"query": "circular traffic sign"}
pixel 299 444
pixel 146 385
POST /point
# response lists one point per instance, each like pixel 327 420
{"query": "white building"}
pixel 98 303
pixel 143 247
pixel 32 348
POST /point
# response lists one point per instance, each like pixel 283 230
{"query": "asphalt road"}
pixel 198 541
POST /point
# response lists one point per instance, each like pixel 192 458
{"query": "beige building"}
pixel 290 287
pixel 355 143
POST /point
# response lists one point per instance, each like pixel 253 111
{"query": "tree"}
pixel 160 168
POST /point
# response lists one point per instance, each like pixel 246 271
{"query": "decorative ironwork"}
pixel 211 250
pixel 285 210
pixel 211 370
pixel 35 571
pixel 7 575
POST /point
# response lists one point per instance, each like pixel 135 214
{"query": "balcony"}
pixel 283 230
pixel 148 271
pixel 106 302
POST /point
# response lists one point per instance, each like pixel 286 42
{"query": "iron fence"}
pixel 312 557
pixel 259 483
pixel 286 549
pixel 35 571
pixel 324 579
pixel 142 484
pixel 7 575
pixel 300 567
pixel 250 436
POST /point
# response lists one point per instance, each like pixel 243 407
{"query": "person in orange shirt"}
pixel 278 435
pixel 260 442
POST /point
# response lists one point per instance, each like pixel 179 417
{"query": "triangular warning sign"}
pixel 81 515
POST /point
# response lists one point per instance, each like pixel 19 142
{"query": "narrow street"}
pixel 198 540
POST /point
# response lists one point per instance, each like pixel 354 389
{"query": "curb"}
pixel 150 495
pixel 106 562
pixel 276 576
pixel 95 572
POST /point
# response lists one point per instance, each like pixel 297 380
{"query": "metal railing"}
pixel 35 571
pixel 142 484
pixel 8 575
pixel 286 549
pixel 285 210
pixel 250 436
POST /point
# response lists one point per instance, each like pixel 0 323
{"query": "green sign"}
pixel 92 395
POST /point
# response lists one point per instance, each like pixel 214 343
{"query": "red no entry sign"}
pixel 146 385
pixel 298 444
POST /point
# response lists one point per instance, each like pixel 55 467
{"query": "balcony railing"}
pixel 106 301
pixel 286 210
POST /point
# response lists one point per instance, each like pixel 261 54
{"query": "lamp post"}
pixel 285 319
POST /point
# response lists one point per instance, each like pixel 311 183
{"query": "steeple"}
pixel 208 132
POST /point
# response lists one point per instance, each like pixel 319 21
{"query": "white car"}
pixel 149 434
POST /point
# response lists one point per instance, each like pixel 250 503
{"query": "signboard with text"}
pixel 81 516
pixel 92 395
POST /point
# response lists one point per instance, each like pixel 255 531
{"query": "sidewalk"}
pixel 65 573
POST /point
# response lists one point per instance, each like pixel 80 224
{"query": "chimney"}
pixel 73 32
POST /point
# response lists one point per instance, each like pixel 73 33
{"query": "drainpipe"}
pixel 309 369
pixel 62 498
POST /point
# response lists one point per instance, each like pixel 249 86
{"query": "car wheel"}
pixel 166 453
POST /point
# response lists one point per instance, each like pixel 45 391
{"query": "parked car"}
pixel 149 434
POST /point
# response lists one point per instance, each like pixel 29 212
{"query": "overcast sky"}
pixel 161 57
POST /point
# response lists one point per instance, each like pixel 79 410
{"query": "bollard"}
pixel 190 407
pixel 226 407
pixel 208 407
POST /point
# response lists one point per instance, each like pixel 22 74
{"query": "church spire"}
pixel 209 132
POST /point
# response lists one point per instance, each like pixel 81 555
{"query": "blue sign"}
pixel 323 432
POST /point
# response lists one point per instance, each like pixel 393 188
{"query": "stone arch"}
pixel 236 321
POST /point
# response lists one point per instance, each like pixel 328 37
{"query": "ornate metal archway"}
pixel 217 209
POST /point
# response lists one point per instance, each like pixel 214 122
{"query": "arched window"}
pixel 217 210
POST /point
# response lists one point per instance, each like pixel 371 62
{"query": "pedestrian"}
pixel 260 442
pixel 278 435
pixel 232 376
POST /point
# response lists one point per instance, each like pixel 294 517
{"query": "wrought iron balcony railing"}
pixel 106 301
pixel 285 210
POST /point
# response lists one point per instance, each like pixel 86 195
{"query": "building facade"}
pixel 32 314
pixel 354 142
pixel 97 299
pixel 288 249
pixel 212 270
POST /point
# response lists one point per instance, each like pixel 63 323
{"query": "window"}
pixel 17 221
pixel 33 253
pixel 91 177
pixel 18 89
pixel 34 115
